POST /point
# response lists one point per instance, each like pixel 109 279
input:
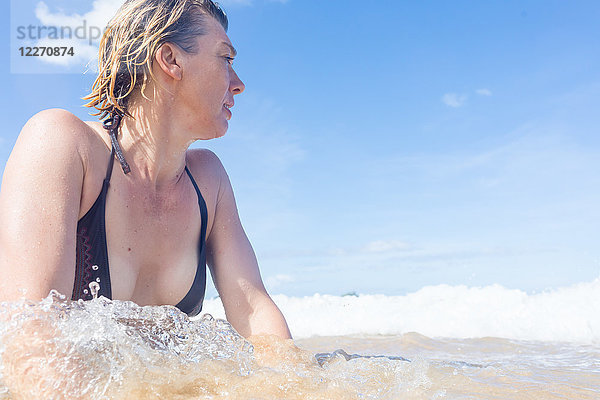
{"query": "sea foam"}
pixel 566 314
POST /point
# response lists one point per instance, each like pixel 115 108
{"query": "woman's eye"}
pixel 230 60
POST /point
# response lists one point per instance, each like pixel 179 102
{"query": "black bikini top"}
pixel 92 252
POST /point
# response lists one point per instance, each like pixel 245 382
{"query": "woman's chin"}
pixel 216 129
pixel 221 132
pixel 216 133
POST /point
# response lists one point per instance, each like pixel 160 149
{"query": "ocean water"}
pixel 567 314
pixel 442 342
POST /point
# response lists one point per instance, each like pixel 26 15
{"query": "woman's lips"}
pixel 228 111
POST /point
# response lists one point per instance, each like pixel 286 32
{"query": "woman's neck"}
pixel 153 147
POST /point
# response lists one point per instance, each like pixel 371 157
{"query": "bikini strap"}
pixel 110 164
pixel 203 208
pixel 112 125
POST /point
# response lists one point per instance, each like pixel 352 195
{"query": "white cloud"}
pixel 88 25
pixel 454 100
pixel 484 92
pixel 101 12
pixel 380 246
pixel 336 252
pixel 274 281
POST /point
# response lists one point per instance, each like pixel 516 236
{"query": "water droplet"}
pixel 95 267
pixel 95 288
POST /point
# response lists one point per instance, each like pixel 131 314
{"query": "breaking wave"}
pixel 567 314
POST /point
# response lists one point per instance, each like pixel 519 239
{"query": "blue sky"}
pixel 383 146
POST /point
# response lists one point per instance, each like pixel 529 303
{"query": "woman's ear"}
pixel 169 59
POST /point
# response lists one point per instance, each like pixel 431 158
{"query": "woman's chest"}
pixel 153 246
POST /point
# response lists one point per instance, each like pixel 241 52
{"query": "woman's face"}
pixel 209 83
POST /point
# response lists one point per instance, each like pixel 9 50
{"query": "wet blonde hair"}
pixel 131 40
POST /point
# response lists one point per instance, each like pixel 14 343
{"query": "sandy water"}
pixel 58 349
pixel 485 368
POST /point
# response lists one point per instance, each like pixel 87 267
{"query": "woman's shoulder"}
pixel 54 118
pixel 208 172
pixel 204 162
pixel 58 127
pixel 55 142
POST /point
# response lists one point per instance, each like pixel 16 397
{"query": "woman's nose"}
pixel 237 86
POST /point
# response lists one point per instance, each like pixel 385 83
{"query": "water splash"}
pixel 93 348
pixel 94 289
pixel 104 349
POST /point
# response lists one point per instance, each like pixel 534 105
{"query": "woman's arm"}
pixel 39 207
pixel 234 268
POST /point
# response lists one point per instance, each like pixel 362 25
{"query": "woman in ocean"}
pixel 123 208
